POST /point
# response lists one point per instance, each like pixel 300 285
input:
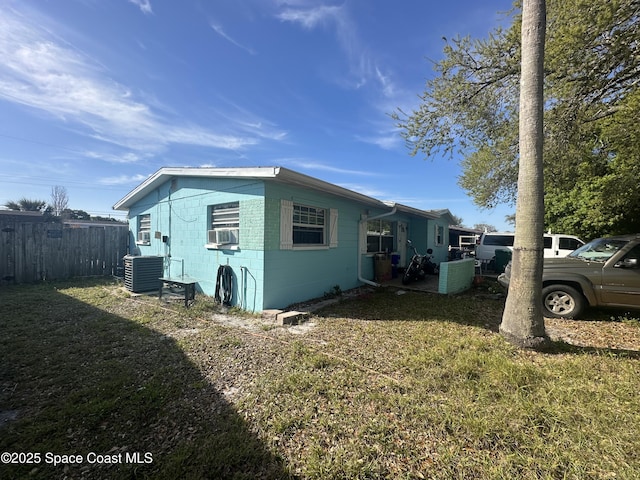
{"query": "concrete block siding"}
pixel 179 209
pixel 266 276
pixel 456 276
pixel 252 224
pixel 300 274
pixel 272 223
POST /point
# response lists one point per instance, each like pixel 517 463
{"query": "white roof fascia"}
pixel 165 173
pixel 294 178
pixel 412 210
pixel 276 173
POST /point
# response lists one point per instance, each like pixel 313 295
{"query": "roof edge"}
pixel 164 173
pixel 279 174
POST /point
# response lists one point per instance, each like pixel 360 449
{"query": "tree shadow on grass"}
pixel 479 308
pixel 395 304
pixel 77 380
pixel 562 347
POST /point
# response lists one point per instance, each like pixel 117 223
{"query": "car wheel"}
pixel 562 301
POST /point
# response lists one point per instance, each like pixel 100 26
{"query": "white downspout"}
pixel 362 220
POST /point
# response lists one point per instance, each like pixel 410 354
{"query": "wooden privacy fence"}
pixel 33 251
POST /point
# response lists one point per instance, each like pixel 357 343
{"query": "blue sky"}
pixel 97 95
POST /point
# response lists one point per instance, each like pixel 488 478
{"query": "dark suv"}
pixel 604 272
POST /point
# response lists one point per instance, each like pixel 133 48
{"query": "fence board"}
pixel 31 252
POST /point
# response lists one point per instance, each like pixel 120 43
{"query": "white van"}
pixel 555 245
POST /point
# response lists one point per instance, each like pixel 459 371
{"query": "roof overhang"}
pixel 412 211
pixel 278 174
pixel 445 213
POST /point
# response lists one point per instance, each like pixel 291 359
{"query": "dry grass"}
pixel 383 386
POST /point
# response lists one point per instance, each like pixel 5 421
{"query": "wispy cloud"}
pixel 365 190
pixel 122 180
pixel 388 87
pixel 194 135
pixel 143 5
pixel 311 17
pixel 430 203
pixel 48 76
pixel 248 122
pixel 220 31
pixel 363 67
pixel 126 157
pixel 314 165
pixel 386 141
pixel 380 131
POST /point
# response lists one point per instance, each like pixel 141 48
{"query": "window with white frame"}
pixel 303 226
pixel 224 225
pixel 380 236
pixel 309 225
pixel 144 229
pixel 439 235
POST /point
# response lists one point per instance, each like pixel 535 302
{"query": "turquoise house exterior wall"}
pixel 298 274
pixel 180 211
pixel 440 250
pixel 266 274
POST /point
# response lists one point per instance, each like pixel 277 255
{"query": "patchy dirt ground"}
pixel 598 329
pixel 232 378
pixel 618 335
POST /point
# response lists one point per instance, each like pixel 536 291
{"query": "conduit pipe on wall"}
pixel 362 220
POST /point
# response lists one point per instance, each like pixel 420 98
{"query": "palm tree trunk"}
pixel 522 320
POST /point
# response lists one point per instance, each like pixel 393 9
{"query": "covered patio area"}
pixel 428 284
pixel 454 277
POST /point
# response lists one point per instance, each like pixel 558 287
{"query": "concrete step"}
pixel 291 318
pixel 271 315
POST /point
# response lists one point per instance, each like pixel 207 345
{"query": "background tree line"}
pixel 56 209
pixel 591 104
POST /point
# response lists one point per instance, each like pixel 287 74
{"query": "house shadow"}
pixel 107 397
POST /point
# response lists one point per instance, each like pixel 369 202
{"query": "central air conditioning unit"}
pixel 142 273
pixel 223 236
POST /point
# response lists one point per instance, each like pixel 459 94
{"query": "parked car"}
pixel 604 272
pixel 555 245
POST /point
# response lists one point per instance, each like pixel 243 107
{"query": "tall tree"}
pixel 592 101
pixel 75 214
pixel 510 219
pixel 59 200
pixel 522 320
pixel 485 227
pixel 27 205
pixel 457 221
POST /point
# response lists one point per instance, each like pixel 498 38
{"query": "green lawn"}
pixel 380 386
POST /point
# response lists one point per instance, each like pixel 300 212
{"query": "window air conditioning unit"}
pixel 144 237
pixel 223 236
